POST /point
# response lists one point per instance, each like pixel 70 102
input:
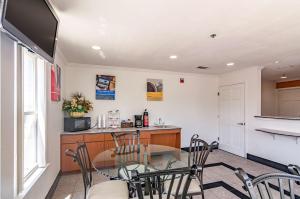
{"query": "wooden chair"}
pixel 102 190
pixel 263 186
pixel 154 183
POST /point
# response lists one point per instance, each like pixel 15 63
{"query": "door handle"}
pixel 241 123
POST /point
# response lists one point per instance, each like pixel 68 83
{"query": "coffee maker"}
pixel 138 121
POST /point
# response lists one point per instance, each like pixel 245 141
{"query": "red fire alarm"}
pixel 181 80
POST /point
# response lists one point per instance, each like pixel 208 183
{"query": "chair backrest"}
pixel 127 142
pixel 261 186
pixel 295 170
pixel 155 182
pixel 199 151
pixel 81 156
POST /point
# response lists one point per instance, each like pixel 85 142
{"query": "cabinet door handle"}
pixel 241 123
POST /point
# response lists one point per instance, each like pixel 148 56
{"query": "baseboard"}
pixel 267 162
pixel 53 187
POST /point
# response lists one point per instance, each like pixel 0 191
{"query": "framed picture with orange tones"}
pixel 154 89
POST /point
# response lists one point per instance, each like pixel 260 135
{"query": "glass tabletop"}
pixel 143 158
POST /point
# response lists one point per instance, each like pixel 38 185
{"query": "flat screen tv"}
pixel 33 23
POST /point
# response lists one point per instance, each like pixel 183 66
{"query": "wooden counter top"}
pixel 116 130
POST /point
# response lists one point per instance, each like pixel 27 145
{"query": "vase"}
pixel 76 114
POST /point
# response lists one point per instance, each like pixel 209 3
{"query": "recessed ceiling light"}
pixel 276 62
pixel 230 64
pixel 173 57
pixel 283 76
pixel 96 47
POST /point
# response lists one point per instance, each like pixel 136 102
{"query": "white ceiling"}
pixel 274 73
pixel 144 33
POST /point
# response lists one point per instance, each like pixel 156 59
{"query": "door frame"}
pixel 245 121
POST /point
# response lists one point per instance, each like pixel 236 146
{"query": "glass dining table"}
pixel 144 158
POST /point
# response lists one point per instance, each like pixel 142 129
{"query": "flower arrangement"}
pixel 77 106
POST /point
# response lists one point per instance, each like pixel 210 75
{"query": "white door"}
pixel 232 119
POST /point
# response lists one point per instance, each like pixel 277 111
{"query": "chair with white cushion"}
pixel 106 189
pixel 198 154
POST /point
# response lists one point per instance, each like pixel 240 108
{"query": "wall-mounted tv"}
pixel 33 23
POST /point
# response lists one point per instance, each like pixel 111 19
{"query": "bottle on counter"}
pixel 145 118
pixel 103 121
pixel 99 125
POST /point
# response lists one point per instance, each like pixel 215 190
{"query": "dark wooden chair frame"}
pixel 120 139
pixel 198 154
pixel 262 184
pixel 295 170
pixel 154 182
pixel 81 156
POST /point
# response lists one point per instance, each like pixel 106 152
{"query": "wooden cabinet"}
pixel 66 163
pixel 170 138
pixel 94 138
pixel 94 142
pixel 65 139
pixel 95 148
pixel 97 143
pixel 109 144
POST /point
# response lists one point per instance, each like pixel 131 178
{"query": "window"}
pixel 34 106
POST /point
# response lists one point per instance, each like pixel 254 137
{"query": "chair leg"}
pixel 201 186
pixel 202 192
pixel 132 192
pixel 84 193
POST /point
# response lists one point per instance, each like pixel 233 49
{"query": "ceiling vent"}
pixel 202 67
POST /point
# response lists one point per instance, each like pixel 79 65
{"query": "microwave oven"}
pixel 77 124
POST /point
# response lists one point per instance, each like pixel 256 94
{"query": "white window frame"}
pixel 40 101
pixel 34 113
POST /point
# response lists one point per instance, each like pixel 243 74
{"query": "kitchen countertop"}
pixel 116 130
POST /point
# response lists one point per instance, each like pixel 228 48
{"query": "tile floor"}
pixel 220 180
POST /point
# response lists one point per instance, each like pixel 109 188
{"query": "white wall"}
pixel 192 105
pixel 8 127
pixel 268 98
pixel 284 150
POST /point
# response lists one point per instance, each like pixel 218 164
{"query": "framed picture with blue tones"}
pixel 105 87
